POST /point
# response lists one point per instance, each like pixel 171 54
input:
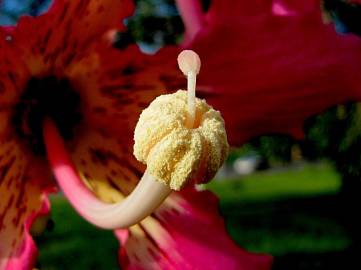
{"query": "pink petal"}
pixel 25 256
pixel 186 232
pixel 292 8
pixel 192 14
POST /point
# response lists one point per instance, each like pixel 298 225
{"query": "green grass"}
pixel 287 233
pixel 74 243
pixel 304 181
pixel 283 212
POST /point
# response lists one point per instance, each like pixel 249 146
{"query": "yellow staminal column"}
pixel 179 136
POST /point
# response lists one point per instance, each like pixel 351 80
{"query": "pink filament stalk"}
pixel 145 198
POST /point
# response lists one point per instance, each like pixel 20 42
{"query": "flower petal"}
pixel 292 8
pixel 13 77
pixel 106 166
pixel 267 73
pixel 54 39
pixel 186 232
pixel 21 202
pixel 116 85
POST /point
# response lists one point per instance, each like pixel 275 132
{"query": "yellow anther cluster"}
pixel 175 153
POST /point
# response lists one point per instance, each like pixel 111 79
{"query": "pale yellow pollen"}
pixel 175 153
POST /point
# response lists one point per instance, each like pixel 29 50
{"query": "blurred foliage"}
pixel 274 148
pixel 345 14
pixel 244 151
pixel 334 134
pixel 156 22
pixel 271 150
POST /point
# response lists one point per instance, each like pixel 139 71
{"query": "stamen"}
pixel 145 198
pixel 190 64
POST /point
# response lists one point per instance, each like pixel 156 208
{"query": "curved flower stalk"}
pixel 61 65
pixel 142 201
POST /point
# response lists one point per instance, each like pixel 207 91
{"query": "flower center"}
pixel 47 97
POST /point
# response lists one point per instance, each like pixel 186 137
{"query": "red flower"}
pixel 61 65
